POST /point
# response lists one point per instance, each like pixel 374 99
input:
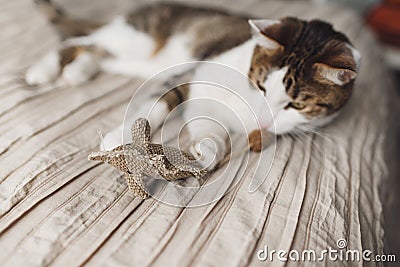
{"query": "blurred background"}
pixel 383 18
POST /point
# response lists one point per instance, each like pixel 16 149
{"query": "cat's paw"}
pixel 82 69
pixel 208 151
pixel 47 70
pixel 44 71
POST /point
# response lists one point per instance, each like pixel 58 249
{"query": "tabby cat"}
pixel 304 69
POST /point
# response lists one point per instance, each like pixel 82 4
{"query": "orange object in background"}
pixel 385 21
pixel 392 2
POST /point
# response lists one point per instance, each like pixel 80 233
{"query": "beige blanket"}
pixel 57 208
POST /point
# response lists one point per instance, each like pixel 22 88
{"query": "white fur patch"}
pixel 45 70
pixel 122 40
pixel 174 52
pixel 276 90
pixel 209 142
pixel 208 151
pixel 81 69
pixel 225 104
pixel 284 120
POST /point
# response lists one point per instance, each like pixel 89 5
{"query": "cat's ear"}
pixel 276 34
pixel 356 56
pixel 335 75
pixel 258 27
pixel 338 63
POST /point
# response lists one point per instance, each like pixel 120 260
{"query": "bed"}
pixel 57 208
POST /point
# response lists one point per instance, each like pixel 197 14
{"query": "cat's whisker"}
pixel 318 131
pixel 302 136
pixel 299 135
pixel 102 146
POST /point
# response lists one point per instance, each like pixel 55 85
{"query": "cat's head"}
pixel 306 70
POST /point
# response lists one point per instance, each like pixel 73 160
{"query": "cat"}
pixel 305 70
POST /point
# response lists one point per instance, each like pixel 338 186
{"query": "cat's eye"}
pixel 289 82
pixel 296 105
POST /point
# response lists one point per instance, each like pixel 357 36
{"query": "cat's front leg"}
pixel 209 143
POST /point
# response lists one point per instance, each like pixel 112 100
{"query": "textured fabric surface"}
pixel 57 208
